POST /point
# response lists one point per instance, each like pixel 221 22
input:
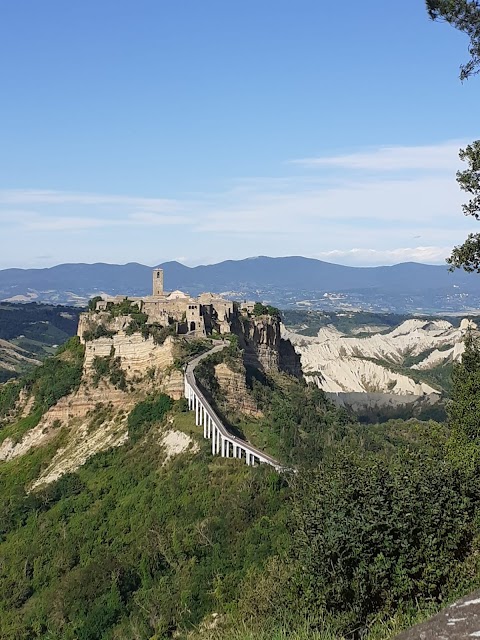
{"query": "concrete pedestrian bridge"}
pixel 224 443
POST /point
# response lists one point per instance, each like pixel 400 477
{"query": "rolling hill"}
pixel 289 282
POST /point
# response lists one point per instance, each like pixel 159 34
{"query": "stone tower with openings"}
pixel 158 282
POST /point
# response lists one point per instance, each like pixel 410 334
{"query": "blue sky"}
pixel 154 130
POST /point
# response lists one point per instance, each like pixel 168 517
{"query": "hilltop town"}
pixel 200 316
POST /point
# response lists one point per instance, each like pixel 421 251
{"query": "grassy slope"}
pixel 142 546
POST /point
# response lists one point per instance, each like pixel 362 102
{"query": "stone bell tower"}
pixel 158 282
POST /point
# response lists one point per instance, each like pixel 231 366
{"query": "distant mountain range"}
pixel 290 282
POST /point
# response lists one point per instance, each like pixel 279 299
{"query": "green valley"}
pixel 31 332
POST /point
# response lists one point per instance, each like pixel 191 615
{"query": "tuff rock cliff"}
pixel 119 370
pixel 264 347
pixel 233 387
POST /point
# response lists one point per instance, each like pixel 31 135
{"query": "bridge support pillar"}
pixel 225 445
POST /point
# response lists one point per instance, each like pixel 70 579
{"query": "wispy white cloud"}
pixel 372 203
pixel 57 223
pixel 10 216
pixel 356 217
pixel 73 219
pixel 155 219
pixel 430 157
pixel 48 197
pixel 386 256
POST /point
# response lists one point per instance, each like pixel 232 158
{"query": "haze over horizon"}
pixel 148 132
pixel 157 263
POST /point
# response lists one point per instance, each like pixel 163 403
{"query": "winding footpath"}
pixel 224 443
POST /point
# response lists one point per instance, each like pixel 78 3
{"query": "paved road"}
pixel 459 621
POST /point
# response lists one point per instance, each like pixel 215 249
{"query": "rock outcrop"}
pixel 72 412
pixel 260 339
pixel 148 369
pixel 363 376
pixel 264 347
pixel 138 357
pixel 458 621
pixel 235 391
pixel 87 436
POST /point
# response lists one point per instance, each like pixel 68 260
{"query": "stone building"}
pixel 198 316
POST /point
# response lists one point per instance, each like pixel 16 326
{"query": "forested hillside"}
pixel 376 527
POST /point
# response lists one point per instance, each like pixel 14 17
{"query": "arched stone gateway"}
pixel 192 326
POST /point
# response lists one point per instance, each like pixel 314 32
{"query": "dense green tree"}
pixel 372 536
pixel 464 15
pixel 260 309
pixel 464 406
pixel 467 255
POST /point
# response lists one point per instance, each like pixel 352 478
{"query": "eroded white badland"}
pixel 341 363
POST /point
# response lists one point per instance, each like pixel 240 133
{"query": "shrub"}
pixel 145 413
pixel 57 376
pixel 124 308
pixel 9 394
pixel 111 368
pixel 260 309
pixel 99 331
pixel 160 334
pixel 137 324
pixel 92 304
pixel 68 485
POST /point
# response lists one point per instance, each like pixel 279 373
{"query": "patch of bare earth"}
pixel 84 443
pixel 176 442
